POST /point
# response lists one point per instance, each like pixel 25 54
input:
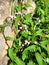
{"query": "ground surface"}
pixel 5 11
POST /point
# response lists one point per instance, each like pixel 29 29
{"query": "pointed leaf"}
pixel 39 58
pixel 15 58
pixel 31 48
pixel 31 62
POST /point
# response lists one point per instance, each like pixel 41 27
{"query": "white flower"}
pixel 25 27
pixel 21 28
pixel 26 30
pixel 35 42
pixel 11 16
pixel 14 16
pixel 38 19
pixel 22 44
pixel 26 42
pixel 47 60
pixel 19 44
pixel 21 49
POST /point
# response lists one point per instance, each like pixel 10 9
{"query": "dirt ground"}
pixel 5 11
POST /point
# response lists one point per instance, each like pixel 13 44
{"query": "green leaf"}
pixel 11 63
pixel 47 2
pixel 19 62
pixel 16 23
pixel 28 22
pixel 31 62
pixel 9 38
pixel 39 32
pixel 31 48
pixel 11 55
pixel 39 58
pixel 27 16
pixel 39 49
pixel 15 58
pixel 44 42
pixel 41 10
pixel 48 49
pixel 18 41
pixel 14 5
pixel 18 18
pixel 24 55
pixel 25 5
pixel 18 8
pixel 26 34
pixel 44 47
pixel 47 36
pixel 42 18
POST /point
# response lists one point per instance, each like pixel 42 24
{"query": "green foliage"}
pixel 39 58
pixel 31 46
pixel 45 42
pixel 18 8
pixel 31 62
pixel 9 38
pixel 14 58
pixel 16 23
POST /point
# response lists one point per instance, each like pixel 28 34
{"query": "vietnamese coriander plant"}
pixel 31 45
